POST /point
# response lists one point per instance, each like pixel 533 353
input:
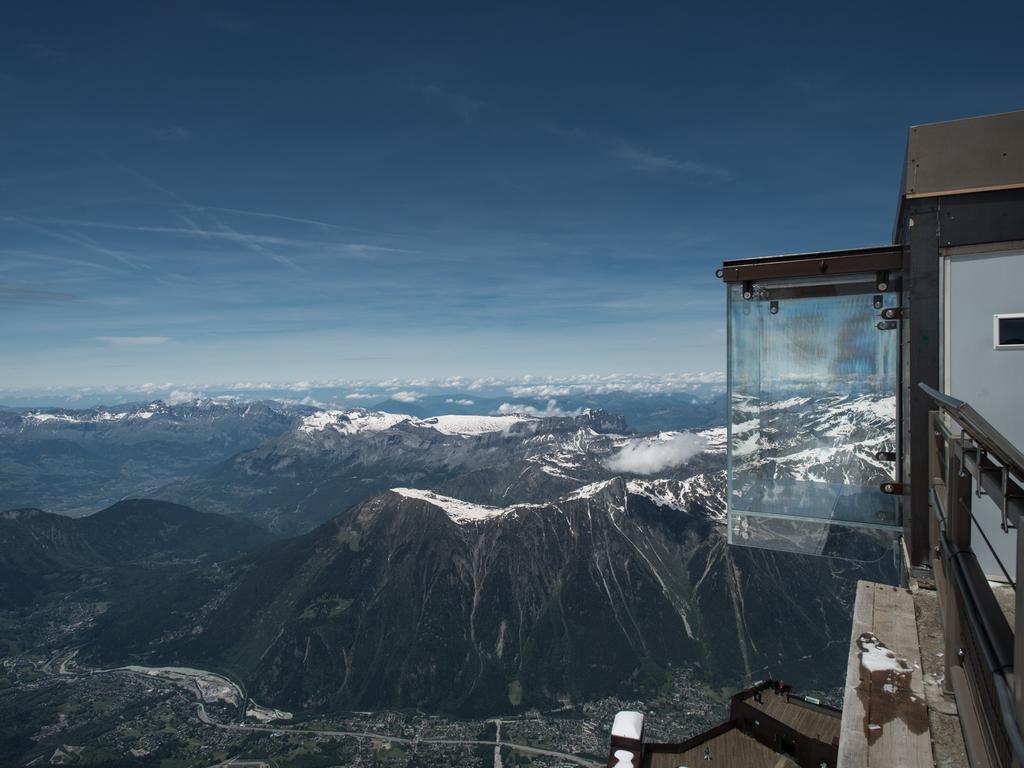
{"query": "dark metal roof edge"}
pixel 811 255
pixel 965 119
pixel 887 258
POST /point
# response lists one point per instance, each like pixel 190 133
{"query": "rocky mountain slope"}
pixel 42 552
pixel 417 599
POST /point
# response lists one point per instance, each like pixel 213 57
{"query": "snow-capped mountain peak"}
pixel 360 421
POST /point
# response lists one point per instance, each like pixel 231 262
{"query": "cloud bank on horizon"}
pixel 533 395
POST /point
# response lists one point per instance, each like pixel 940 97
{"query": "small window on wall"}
pixel 1009 331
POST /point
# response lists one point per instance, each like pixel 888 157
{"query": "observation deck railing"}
pixel 984 638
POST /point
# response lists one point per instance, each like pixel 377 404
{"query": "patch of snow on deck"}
pixel 875 657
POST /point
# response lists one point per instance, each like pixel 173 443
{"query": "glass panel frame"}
pixel 813 384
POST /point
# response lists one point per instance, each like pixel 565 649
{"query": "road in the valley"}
pixel 204 717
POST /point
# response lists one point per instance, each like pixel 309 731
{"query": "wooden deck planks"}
pixel 732 748
pixel 810 722
pixel 885 718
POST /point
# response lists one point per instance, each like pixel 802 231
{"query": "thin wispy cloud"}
pixel 464 106
pixel 628 153
pixel 46 54
pixel 17 293
pixel 277 217
pixel 172 133
pixel 133 341
pixel 230 234
pixel 216 222
pixel 79 240
pixel 649 162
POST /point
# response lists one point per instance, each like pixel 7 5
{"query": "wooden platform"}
pixel 885 717
pixel 810 721
pixel 732 748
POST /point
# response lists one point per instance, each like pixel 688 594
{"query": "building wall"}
pixel 976 286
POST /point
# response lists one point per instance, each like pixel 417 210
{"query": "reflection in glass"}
pixel 812 401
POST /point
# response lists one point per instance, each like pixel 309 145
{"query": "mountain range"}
pixel 416 599
pixel 473 564
pixel 76 461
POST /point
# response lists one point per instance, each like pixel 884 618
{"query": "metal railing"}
pixel 967 459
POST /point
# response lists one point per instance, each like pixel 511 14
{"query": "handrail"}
pixel 1007 709
pixel 966 455
pixel 975 424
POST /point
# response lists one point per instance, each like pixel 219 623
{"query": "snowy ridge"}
pixel 351 422
pixel 706 489
pixel 359 421
pixel 97 416
pixel 715 438
pixel 829 439
pixel 459 511
pixel 471 425
pixel 589 491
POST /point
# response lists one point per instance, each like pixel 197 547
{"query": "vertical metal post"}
pixel 1018 635
pixel 920 337
pixel 935 439
pixel 958 533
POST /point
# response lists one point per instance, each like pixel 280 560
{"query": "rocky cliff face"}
pixel 416 599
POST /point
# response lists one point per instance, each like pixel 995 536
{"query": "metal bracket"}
pixel 887 325
pixel 892 488
pixel 894 313
pixel 1005 482
pixel 982 458
pixel 882 280
pixel 885 456
pixel 748 290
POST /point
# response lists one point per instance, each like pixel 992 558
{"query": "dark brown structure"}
pixel 768 726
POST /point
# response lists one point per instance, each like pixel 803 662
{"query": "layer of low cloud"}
pixel 647 456
pixel 180 396
pixel 524 409
pixel 406 396
pixel 459 402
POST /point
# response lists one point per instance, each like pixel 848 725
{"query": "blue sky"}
pixel 223 192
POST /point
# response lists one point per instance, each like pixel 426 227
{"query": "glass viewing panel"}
pixel 812 411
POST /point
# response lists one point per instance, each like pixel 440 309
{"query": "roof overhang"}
pixel 962 157
pixel 882 258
